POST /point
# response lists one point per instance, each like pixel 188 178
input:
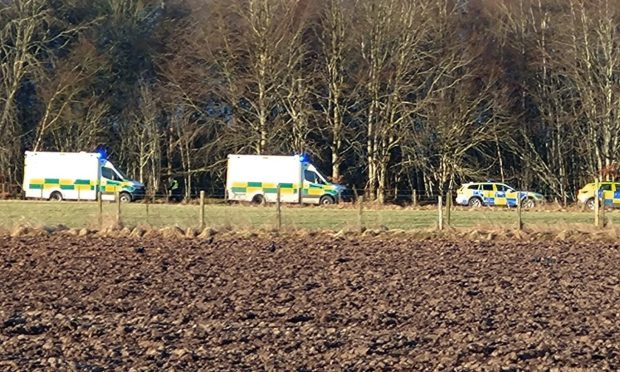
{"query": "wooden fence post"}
pixel 146 203
pixel 440 210
pixel 100 205
pixel 415 198
pixel 596 204
pixel 603 221
pixel 448 207
pixel 202 210
pixel 118 207
pixel 519 220
pixel 279 209
pixel 360 215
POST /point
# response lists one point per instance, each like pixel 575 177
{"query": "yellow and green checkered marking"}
pixel 285 188
pixel 267 188
pixel 77 185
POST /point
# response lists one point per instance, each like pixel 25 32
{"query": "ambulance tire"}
pixel 528 203
pixel 56 196
pixel 125 197
pixel 475 202
pixel 327 200
pixel 258 199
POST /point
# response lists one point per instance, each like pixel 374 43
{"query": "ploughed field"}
pixel 306 303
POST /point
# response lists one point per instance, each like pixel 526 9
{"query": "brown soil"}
pixel 314 303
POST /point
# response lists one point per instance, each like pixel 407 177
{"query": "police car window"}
pixel 487 187
pixel 606 187
pixel 473 187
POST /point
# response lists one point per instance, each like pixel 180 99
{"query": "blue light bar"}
pixel 304 158
pixel 102 153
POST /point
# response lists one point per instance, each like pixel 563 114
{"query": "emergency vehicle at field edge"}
pixel 255 178
pixel 607 190
pixel 477 194
pixel 76 176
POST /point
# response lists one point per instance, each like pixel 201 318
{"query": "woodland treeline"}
pixel 386 95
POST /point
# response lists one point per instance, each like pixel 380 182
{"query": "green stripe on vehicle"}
pixel 52 181
pixel 255 184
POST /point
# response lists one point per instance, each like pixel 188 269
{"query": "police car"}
pixel 608 191
pixel 477 194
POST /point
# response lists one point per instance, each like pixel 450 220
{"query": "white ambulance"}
pixel 76 176
pixel 255 178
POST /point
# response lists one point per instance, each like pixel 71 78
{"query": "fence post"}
pixel 146 203
pixel 360 213
pixel 202 210
pixel 519 220
pixel 100 205
pixel 448 207
pixel 603 222
pixel 118 207
pixel 279 209
pixel 415 198
pixel 440 210
pixel 596 204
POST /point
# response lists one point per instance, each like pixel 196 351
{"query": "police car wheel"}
pixel 590 203
pixel 56 196
pixel 475 202
pixel 528 204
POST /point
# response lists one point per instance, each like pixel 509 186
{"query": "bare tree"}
pixel 336 46
pixel 66 85
pixel 20 50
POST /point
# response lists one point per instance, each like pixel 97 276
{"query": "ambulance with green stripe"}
pixel 255 178
pixel 76 176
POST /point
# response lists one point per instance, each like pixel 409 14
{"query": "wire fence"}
pixel 198 213
pixel 413 198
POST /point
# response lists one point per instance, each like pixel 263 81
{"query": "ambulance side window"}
pixel 312 177
pixel 109 174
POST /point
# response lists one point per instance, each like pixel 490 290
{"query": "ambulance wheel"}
pixel 258 199
pixel 56 196
pixel 125 197
pixel 475 203
pixel 327 200
pixel 528 203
